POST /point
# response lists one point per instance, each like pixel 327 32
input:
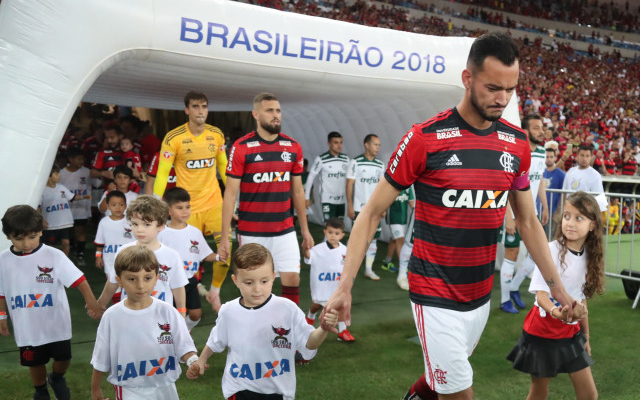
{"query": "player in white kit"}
pixel 363 175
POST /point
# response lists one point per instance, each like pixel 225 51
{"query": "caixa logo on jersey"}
pixel 400 152
pixel 31 301
pixel 453 198
pixel 200 164
pixel 259 370
pixel 262 177
pixel 146 368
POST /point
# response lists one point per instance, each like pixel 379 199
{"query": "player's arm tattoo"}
pixel 551 283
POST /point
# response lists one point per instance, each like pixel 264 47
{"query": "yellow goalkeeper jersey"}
pixel 195 159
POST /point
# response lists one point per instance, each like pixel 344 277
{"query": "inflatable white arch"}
pixel 329 75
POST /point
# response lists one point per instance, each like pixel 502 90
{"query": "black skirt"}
pixel 546 358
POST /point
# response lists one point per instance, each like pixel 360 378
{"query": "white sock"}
pixel 311 315
pixel 506 276
pixel 371 255
pixel 387 259
pixel 191 323
pixel 405 255
pixel 525 269
pixel 341 326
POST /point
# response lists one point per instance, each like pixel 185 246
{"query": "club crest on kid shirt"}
pixel 280 341
pixel 45 275
pixel 163 273
pixel 165 336
pixel 127 233
pixel 194 247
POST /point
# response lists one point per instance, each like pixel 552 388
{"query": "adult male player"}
pixel 460 206
pixel 196 150
pixel 331 166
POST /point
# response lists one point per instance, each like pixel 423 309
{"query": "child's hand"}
pixel 4 328
pixel 97 395
pixel 95 310
pixel 99 263
pixel 587 347
pixel 196 369
pixel 330 319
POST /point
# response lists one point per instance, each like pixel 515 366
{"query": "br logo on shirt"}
pixel 31 301
pixel 260 370
pixel 165 337
pixel 163 274
pixel 453 198
pixel 262 177
pixel 194 247
pixel 146 368
pixel 45 276
pixel 280 341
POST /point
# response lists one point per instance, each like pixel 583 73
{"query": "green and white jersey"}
pixel 333 177
pixel 366 174
pixel 397 214
pixel 536 171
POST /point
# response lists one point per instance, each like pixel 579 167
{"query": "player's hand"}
pixel 108 174
pixel 510 226
pixel 330 319
pixel 351 214
pixel 339 302
pixel 4 328
pixel 580 311
pixel 95 310
pixel 99 262
pixel 223 248
pixel 566 301
pixel 307 240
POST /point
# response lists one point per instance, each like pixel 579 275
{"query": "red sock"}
pixel 116 297
pixel 292 293
pixel 422 389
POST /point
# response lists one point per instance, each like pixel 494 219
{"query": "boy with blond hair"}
pixel 274 326
pixel 147 216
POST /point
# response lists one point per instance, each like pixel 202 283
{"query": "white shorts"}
pixel 448 338
pixel 284 250
pixel 397 231
pixel 146 392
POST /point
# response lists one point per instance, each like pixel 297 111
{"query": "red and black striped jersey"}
pixel 462 177
pixel 265 170
pixel 107 160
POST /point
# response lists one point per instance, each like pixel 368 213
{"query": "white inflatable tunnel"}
pixel 329 75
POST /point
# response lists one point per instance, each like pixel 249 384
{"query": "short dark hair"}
pixel 113 126
pixel 264 96
pixel 332 135
pixel 75 152
pixel 251 256
pixel 369 137
pixel 134 259
pixel 527 118
pixel 494 44
pixel 149 208
pixel 585 147
pixel 133 120
pixel 22 220
pixel 176 195
pixel 124 170
pixel 551 150
pixel 192 95
pixel 115 193
pixel 335 223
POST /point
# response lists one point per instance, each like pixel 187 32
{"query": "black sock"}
pixel 41 389
pixel 80 246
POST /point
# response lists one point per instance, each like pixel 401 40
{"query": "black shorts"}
pixel 55 236
pixel 33 356
pixel 193 297
pixel 81 222
pixel 249 395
